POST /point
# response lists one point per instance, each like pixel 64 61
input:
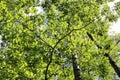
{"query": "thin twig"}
pixel 46 78
pixel 46 43
pixel 114 45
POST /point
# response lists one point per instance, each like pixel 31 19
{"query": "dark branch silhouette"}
pixel 59 40
pixel 113 64
pixel 116 68
pixel 91 37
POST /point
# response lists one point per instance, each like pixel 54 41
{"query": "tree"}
pixel 114 63
pixel 42 46
pixel 107 47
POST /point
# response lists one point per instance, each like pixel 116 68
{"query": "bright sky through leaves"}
pixel 115 27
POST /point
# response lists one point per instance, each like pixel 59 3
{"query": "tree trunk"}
pixel 76 68
pixel 113 64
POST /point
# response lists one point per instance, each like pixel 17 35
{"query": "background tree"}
pixel 42 46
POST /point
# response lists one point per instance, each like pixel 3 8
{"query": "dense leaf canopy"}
pixel 38 45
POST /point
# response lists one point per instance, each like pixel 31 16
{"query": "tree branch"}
pixel 113 64
pixel 46 43
pixel 67 34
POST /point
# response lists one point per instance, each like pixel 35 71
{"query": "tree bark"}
pixel 76 68
pixel 113 64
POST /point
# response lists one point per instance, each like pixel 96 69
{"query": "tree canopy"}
pixel 67 39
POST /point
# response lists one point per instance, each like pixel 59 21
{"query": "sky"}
pixel 115 27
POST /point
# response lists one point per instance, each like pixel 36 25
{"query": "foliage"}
pixel 40 45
